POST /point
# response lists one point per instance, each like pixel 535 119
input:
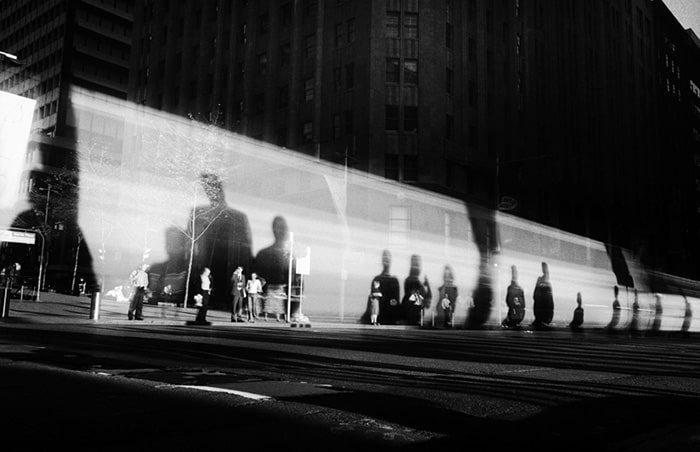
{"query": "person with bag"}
pixel 139 280
pixel 238 284
pixel 448 297
pixel 417 294
pixel 515 300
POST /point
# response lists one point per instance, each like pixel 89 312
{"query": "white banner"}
pixel 16 114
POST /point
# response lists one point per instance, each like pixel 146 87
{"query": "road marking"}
pixel 247 395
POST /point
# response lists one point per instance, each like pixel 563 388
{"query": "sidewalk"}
pixel 59 308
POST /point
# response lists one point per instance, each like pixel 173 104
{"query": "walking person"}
pixel 254 289
pixel 543 300
pixel 577 321
pixel 139 280
pixel 238 284
pixel 205 286
pixel 515 300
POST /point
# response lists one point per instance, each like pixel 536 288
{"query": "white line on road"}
pixel 247 395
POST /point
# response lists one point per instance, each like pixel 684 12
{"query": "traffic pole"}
pixel 95 305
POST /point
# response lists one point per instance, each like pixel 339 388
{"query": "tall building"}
pixel 62 44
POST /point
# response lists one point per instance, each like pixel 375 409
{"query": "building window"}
pixel 285 55
pixel 393 73
pixel 349 75
pixel 337 79
pixel 410 26
pixel 338 34
pixel 262 64
pixel 286 15
pixel 392 117
pixel 472 93
pixel 449 127
pixel 264 23
pixel 410 119
pixel 399 226
pixel 472 50
pixel 348 122
pixel 410 168
pixel 448 35
pixel 337 126
pixel 351 30
pixel 307 132
pixel 284 96
pixel 310 46
pixel 309 89
pixel 410 72
pixel 472 136
pixel 392 24
pixel 449 80
pixel 517 44
pixel 391 166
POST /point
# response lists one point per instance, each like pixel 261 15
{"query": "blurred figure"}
pixel 448 297
pixel 389 307
pixel 687 318
pixel 272 264
pixel 633 326
pixel 515 300
pixel 577 321
pixel 543 300
pixel 658 314
pixel 225 240
pixel 139 280
pixel 616 311
pixel 417 294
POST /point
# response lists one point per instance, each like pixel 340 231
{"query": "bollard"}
pixel 5 307
pixel 95 305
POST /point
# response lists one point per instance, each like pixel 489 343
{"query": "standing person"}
pixel 577 321
pixel 543 300
pixel 375 298
pixel 389 305
pixel 254 289
pixel 417 294
pixel 238 291
pixel 139 280
pixel 448 296
pixel 687 318
pixel 205 286
pixel 616 311
pixel 633 326
pixel 515 300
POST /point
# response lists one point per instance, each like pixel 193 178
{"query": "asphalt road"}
pixel 136 386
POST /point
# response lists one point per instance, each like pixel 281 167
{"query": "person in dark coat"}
pixel 543 300
pixel 272 264
pixel 577 321
pixel 633 326
pixel 389 307
pixel 417 295
pixel 515 300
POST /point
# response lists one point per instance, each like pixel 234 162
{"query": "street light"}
pixel 10 58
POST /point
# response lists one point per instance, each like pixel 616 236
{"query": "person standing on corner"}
pixel 204 292
pixel 139 279
pixel 238 284
pixel 543 300
pixel 254 289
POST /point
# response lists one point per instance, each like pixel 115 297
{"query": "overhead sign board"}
pixel 28 238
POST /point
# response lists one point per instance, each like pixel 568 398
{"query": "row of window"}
pixel 340 29
pixel 46 110
pixel 409 72
pixel 401 25
pixel 35 24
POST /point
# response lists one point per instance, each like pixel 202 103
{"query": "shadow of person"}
pixel 222 239
pixel 543 300
pixel 616 310
pixel 54 212
pixel 687 318
pixel 633 326
pixel 515 301
pixel 486 239
pixel 389 304
pixel 658 314
pixel 272 264
pixel 577 322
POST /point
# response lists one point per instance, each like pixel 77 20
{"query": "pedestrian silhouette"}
pixel 222 233
pixel 272 264
pixel 202 296
pixel 615 320
pixel 633 326
pixel 543 300
pixel 375 298
pixel 390 311
pixel 687 318
pixel 447 296
pixel 658 314
pixel 577 321
pixel 417 295
pixel 515 300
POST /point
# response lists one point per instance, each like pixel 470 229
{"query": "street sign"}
pixel 28 238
